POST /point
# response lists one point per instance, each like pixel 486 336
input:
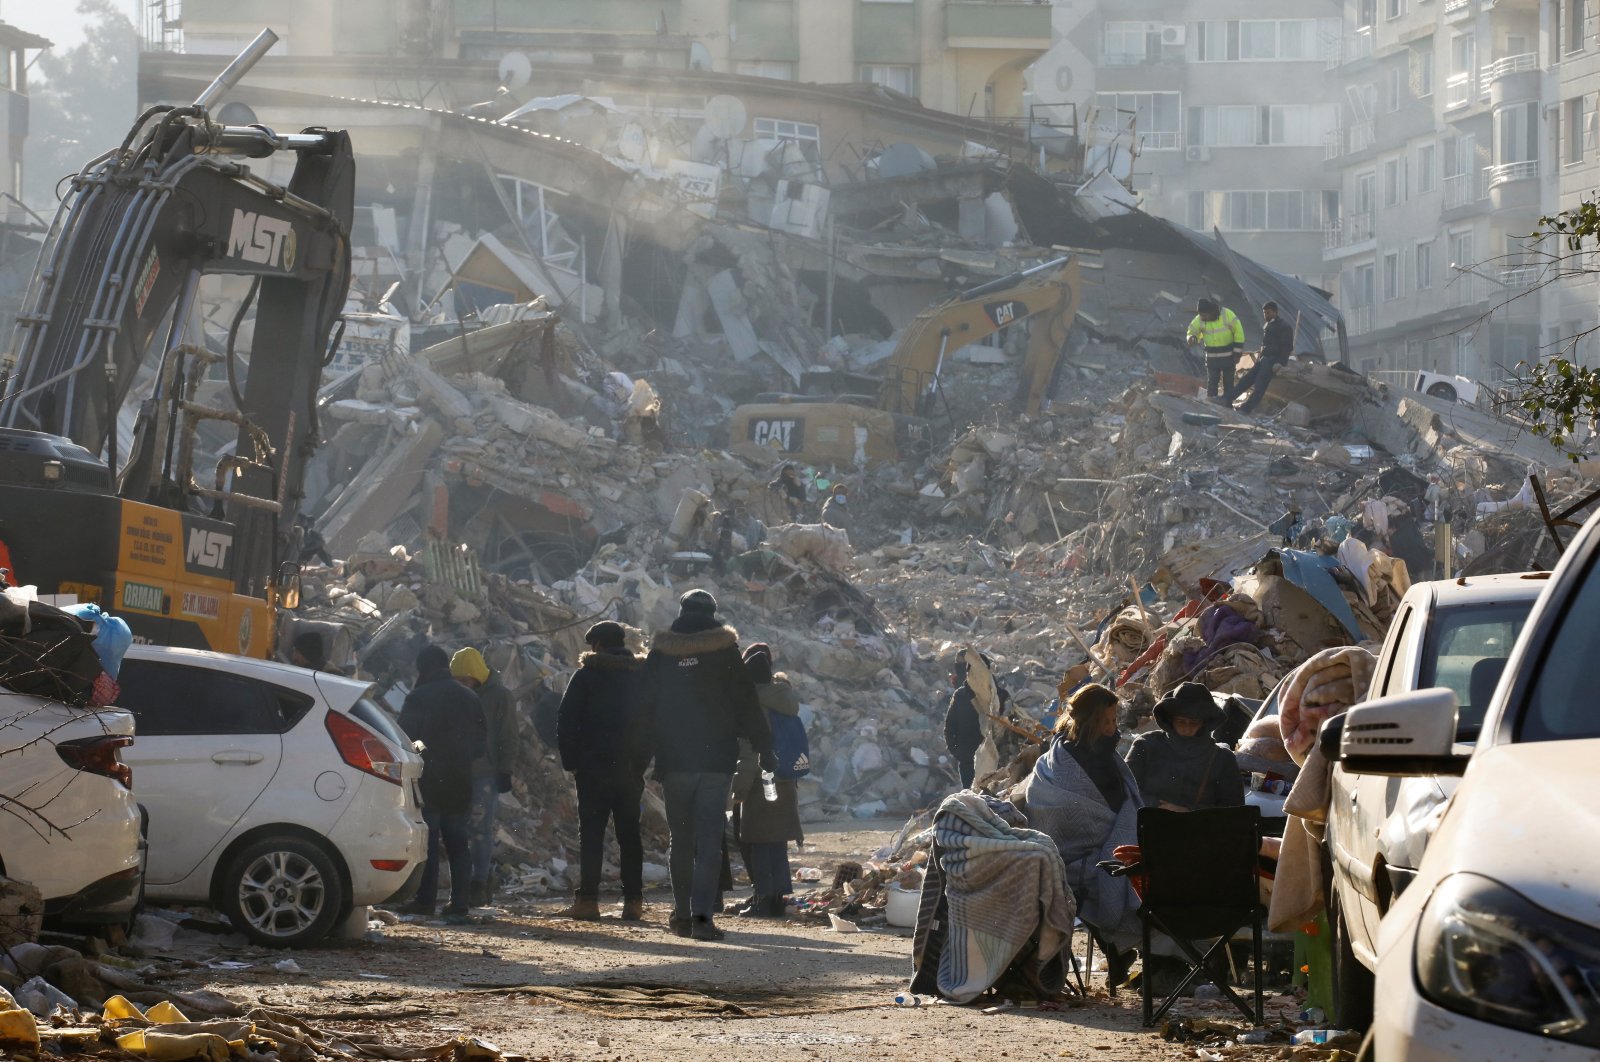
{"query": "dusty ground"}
pixel 770 990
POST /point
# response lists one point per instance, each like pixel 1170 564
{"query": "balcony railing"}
pixel 1351 49
pixel 1507 172
pixel 1357 320
pixel 1464 189
pixel 1456 7
pixel 1348 231
pixel 1463 290
pixel 1458 90
pixel 1160 141
pixel 1124 58
pixel 1349 140
pixel 1521 277
pixel 1511 64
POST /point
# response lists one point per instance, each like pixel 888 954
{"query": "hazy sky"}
pixel 56 19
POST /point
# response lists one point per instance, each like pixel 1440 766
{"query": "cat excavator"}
pixel 829 425
pixel 196 557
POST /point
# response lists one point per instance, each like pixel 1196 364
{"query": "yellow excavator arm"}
pixel 1048 295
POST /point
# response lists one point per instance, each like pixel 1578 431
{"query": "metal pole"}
pixel 827 301
pixel 236 70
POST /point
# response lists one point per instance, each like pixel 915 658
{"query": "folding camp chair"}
pixel 1199 885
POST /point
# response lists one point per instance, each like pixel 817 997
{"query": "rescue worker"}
pixel 788 487
pixel 834 513
pixel 1220 333
pixel 491 772
pixel 1277 343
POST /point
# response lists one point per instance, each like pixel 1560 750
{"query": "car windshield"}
pixel 1466 653
pixel 1561 703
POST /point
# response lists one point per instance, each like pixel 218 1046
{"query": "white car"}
pixel 1454 633
pixel 1493 952
pixel 283 797
pixel 68 821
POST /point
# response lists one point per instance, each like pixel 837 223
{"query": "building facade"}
pixel 15 46
pixel 1446 155
pixel 1570 46
pixel 1215 110
pixel 962 56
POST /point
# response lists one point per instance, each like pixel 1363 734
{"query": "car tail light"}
pixel 98 755
pixel 388 864
pixel 362 749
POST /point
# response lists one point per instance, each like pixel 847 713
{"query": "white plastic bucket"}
pixel 901 910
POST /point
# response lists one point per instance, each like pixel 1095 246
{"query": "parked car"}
pixel 1493 951
pixel 80 845
pixel 1454 633
pixel 283 797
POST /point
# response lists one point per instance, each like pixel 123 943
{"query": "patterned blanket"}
pixel 1003 884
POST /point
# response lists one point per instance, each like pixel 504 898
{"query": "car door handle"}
pixel 236 756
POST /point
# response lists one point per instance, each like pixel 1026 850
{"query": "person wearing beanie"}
pixel 765 827
pixel 700 702
pixel 1220 333
pixel 447 718
pixel 602 741
pixel 1179 766
pixel 491 772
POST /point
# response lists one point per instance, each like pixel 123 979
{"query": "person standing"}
pixel 602 742
pixel 1277 344
pixel 1220 334
pixel 835 512
pixel 767 826
pixel 491 772
pixel 789 488
pixel 963 730
pixel 447 719
pixel 700 701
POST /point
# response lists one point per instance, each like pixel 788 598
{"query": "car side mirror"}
pixel 1407 734
pixel 1329 737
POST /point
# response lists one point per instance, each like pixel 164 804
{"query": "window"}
pixel 1392 286
pixel 1125 43
pixel 802 133
pixel 1397 89
pixel 1366 191
pixel 1236 126
pixel 1463 53
pixel 1249 125
pixel 174 699
pixel 1156 116
pixel 1422 71
pixel 1427 168
pixel 1580 128
pixel 1574 16
pixel 1288 210
pixel 898 78
pixel 1366 13
pixel 1257 40
pixel 1424 270
pixel 1394 181
pixel 1517 133
pixel 778 71
pixel 1364 290
pixel 1393 8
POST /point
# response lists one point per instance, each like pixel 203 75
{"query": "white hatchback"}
pixel 68 822
pixel 281 796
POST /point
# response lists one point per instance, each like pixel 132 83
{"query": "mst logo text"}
pixel 209 549
pixel 262 239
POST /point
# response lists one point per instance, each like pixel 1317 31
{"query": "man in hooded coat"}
pixel 1179 766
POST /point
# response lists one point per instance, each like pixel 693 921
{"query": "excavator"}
pixel 190 557
pixel 855 429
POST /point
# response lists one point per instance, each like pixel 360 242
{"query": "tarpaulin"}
pixel 1313 573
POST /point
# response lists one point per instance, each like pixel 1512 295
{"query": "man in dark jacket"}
pixel 447 718
pixel 603 744
pixel 701 701
pixel 963 730
pixel 1179 766
pixel 1277 343
pixel 492 771
pixel 788 487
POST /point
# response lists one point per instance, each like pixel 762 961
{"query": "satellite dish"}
pixel 725 117
pixel 516 70
pixel 699 56
pixel 632 143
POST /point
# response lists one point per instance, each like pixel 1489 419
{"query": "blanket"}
pixel 1061 800
pixel 1003 884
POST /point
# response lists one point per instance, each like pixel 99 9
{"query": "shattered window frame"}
pixel 884 74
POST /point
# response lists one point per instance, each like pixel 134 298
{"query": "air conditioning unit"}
pixel 1197 153
pixel 1174 36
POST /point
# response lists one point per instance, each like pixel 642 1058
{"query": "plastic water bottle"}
pixel 908 1001
pixel 1318 1036
pixel 769 787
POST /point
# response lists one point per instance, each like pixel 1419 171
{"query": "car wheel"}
pixel 282 892
pixel 1352 983
pixel 1443 390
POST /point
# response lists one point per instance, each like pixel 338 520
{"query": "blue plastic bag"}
pixel 111 635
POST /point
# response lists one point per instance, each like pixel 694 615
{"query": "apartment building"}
pixel 1216 109
pixel 1570 306
pixel 1442 154
pixel 962 56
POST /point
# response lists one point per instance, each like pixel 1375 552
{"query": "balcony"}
pixel 533 15
pixel 1512 171
pixel 1465 189
pixel 1457 9
pixel 1350 140
pixel 1160 141
pixel 1511 64
pixel 1521 277
pixel 1349 233
pixel 1125 58
pixel 1458 90
pixel 1464 290
pixel 1023 24
pixel 1351 49
pixel 1357 320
